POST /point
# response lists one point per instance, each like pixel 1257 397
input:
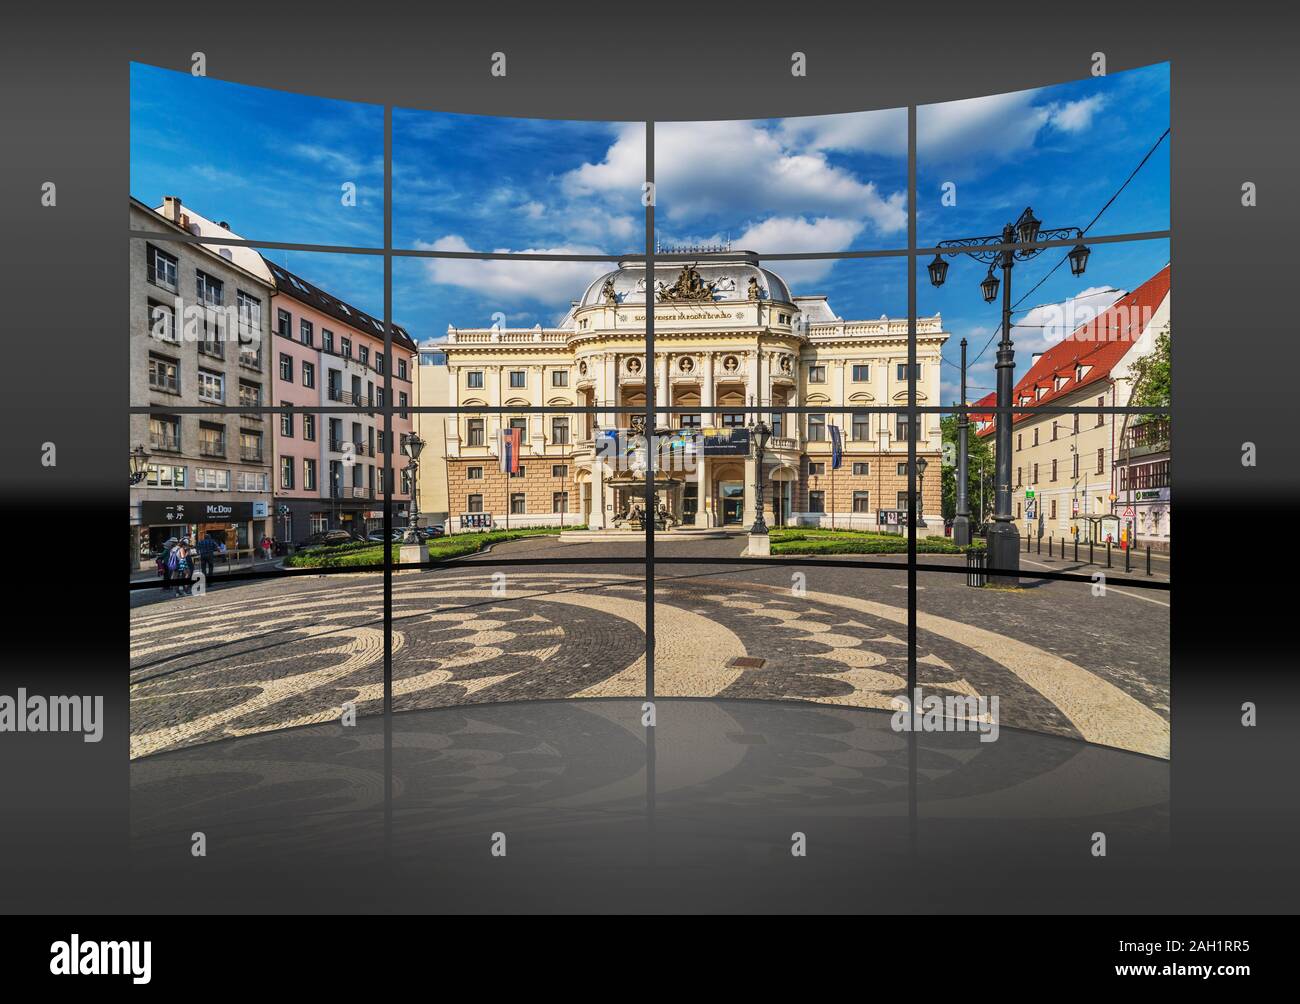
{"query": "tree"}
pixel 1151 378
pixel 978 449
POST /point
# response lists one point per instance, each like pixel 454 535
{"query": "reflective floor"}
pixel 593 817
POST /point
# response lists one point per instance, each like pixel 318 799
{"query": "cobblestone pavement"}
pixel 270 655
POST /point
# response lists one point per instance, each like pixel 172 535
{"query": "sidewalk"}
pixel 220 567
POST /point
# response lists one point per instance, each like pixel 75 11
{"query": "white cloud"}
pixel 999 126
pixel 513 282
pixel 1075 116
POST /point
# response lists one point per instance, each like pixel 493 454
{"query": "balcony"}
pixel 343 445
pixel 1147 438
pixel 349 492
pixel 212 450
pixel 249 455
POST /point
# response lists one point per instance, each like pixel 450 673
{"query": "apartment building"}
pixel 1066 468
pixel 198 334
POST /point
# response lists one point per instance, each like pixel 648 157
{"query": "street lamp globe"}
pixel 139 461
pixel 1079 258
pixel 412 444
pixel 989 287
pixel 938 271
pixel 1027 227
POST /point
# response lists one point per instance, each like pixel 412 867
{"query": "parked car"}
pixel 434 531
pixel 330 538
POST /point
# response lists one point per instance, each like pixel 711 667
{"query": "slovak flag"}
pixel 837 451
pixel 511 441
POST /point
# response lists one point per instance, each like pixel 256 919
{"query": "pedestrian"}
pixel 207 548
pixel 164 568
pixel 268 548
pixel 183 572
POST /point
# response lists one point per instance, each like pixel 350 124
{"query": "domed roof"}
pixel 728 273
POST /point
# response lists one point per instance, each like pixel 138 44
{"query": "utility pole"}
pixel 961 522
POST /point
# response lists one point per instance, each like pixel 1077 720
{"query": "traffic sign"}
pixel 1029 493
pixel 1130 513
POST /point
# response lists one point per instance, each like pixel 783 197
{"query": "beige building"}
pixel 728 334
pixel 1066 468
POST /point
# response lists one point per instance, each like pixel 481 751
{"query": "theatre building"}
pixel 728 334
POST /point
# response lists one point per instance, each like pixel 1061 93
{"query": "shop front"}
pixel 237 527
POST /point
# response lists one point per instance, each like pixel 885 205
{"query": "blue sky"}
pixel 272 163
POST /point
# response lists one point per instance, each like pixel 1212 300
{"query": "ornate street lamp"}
pixel 1003 538
pixel 761 436
pixel 989 287
pixel 139 464
pixel 938 271
pixel 921 465
pixel 1079 258
pixel 412 444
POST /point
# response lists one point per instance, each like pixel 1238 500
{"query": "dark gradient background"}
pixel 1234 824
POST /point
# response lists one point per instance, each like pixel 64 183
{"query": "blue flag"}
pixel 837 453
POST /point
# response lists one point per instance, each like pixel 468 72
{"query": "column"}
pixel 701 494
pixel 661 388
pixel 706 392
pixel 597 521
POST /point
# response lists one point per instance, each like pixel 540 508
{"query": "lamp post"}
pixel 139 464
pixel 1019 242
pixel 921 465
pixel 961 520
pixel 412 444
pixel 761 436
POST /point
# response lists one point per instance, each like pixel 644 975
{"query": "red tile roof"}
pixel 1099 345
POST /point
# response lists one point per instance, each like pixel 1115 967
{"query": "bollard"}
pixel 1108 554
pixel 1040 546
pixel 1051 546
pixel 1076 550
pixel 1128 556
pixel 1090 550
pixel 1148 559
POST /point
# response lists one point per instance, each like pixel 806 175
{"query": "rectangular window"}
pixel 379 362
pixel 517 504
pixel 474 503
pixel 816 374
pixel 474 473
pixel 1053 432
pixel 286 422
pixel 1101 419
pixel 345 347
pixel 903 430
pixel 1035 474
pixel 733 420
pixel 816 468
pixel 401 369
pixel 286 472
pixel 1052 515
pixel 861 426
pixel 1035 437
pixel 559 378
pixel 286 367
pixel 308 374
pixel 861 373
pixel 212 440
pixel 363 355
pixel 474 432
pixel 474 379
pixel 861 469
pixel 522 425
pixel 212 386
pixel 559 502
pixel 164 374
pixel 903 499
pixel 560 431
pixel 522 472
pixel 1020 476
pixel 318 521
pixel 559 470
pixel 901 470
pixel 817 428
pixel 326 340
pixel 283 323
pixel 250 482
pixel 817 501
pixel 1053 470
pixel 862 502
pixel 309 475
pixel 162 321
pixel 162 268
pixel 517 378
pixel 165 432
pixel 250 394
pixel 902 371
pixel 211 479
pixel 309 428
pixel 1101 460
pixel 250 446
pixel 306 331
pixel 164 476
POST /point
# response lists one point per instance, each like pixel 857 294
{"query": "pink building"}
pixel 329 467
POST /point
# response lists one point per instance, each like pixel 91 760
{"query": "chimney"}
pixel 223 225
pixel 172 208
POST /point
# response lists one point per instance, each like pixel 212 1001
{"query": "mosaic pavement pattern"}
pixel 285 654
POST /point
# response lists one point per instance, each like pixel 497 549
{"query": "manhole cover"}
pixel 747 662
